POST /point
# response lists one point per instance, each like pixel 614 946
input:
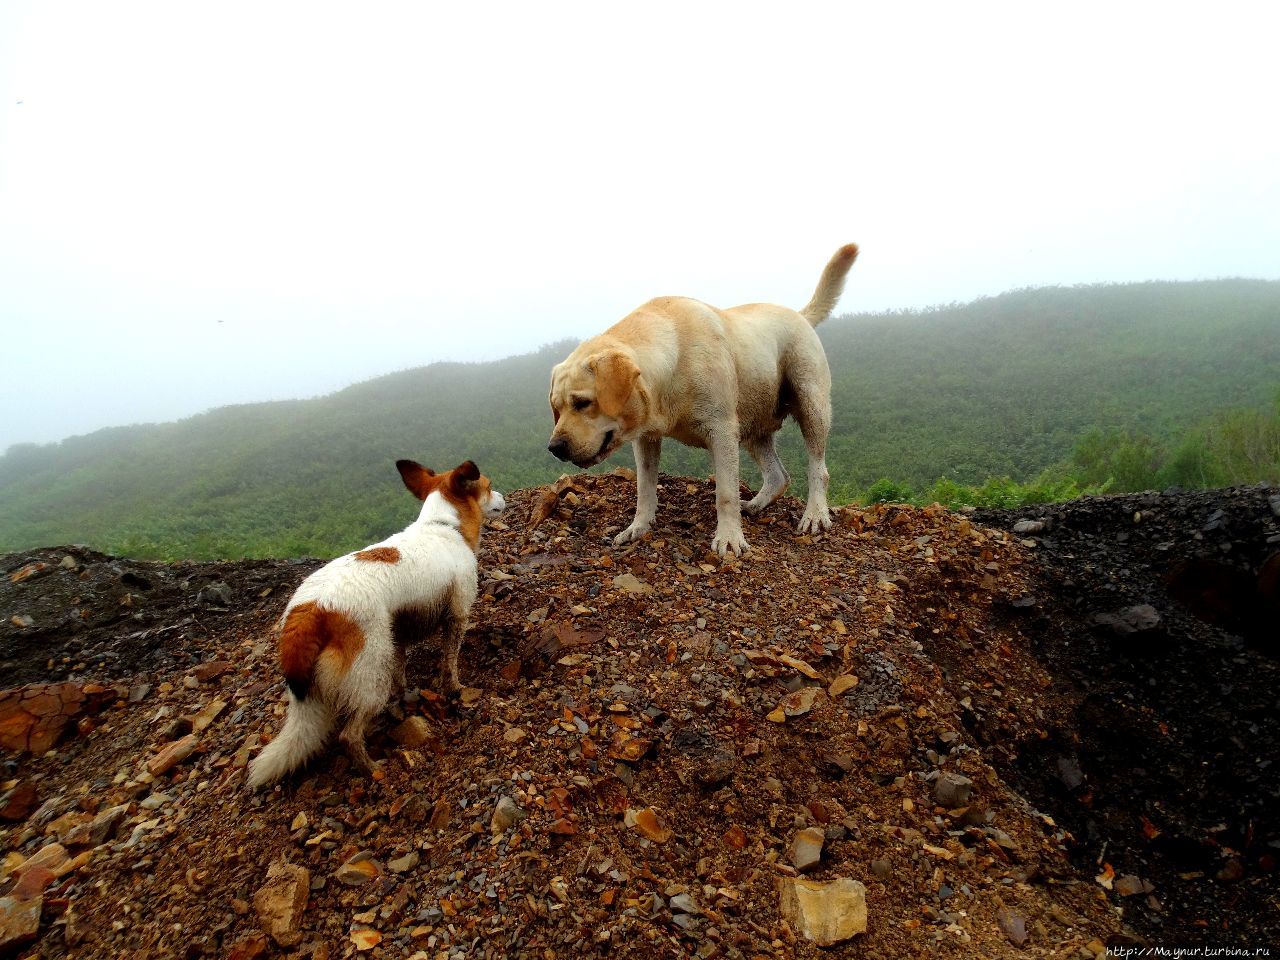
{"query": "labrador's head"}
pixel 590 397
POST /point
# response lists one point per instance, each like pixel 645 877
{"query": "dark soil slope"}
pixel 1159 616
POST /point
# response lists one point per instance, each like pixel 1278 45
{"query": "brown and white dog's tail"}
pixel 305 731
pixel 831 285
pixel 306 632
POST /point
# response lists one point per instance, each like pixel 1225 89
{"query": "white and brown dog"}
pixel 342 633
pixel 709 378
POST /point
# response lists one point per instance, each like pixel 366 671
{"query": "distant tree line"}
pixel 1051 392
pixel 1230 448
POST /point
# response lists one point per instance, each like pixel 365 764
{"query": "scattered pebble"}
pixel 806 848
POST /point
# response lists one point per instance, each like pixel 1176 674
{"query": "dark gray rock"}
pixel 1069 772
pixel 952 790
pixel 215 595
pixel 1140 618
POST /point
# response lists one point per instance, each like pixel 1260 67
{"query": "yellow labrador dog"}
pixel 710 378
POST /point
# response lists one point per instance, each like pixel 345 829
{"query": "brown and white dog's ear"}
pixel 463 477
pixel 415 477
pixel 616 376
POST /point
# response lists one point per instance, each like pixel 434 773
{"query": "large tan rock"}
pixel 281 901
pixel 414 732
pixel 648 824
pixel 825 913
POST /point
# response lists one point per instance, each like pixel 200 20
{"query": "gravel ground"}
pixel 657 747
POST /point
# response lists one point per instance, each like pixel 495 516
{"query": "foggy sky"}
pixel 202 205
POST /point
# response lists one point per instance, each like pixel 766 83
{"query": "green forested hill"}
pixel 1006 385
pixel 1002 386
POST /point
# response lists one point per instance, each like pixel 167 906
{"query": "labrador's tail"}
pixel 831 285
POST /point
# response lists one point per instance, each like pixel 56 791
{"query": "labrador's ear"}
pixel 463 478
pixel 416 477
pixel 616 376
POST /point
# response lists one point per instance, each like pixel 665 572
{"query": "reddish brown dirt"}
pixel 592 704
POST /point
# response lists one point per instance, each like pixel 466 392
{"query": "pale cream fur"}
pixel 710 378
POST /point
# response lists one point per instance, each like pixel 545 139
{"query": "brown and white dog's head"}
pixel 464 489
pixel 596 399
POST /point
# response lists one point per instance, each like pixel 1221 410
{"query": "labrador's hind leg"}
pixel 813 413
pixel 774 479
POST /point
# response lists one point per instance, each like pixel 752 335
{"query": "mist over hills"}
pixel 1003 386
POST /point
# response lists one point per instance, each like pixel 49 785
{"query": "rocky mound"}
pixel 839 739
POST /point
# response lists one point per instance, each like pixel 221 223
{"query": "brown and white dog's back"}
pixel 337 647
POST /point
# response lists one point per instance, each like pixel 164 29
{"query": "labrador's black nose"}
pixel 559 448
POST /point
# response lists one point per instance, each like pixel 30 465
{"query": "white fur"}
pixel 436 574
pixel 304 733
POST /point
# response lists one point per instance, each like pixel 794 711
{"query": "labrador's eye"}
pixel 581 403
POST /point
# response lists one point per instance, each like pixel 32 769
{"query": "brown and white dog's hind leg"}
pixel 723 442
pixel 648 450
pixel 452 630
pixel 353 739
pixel 363 702
pixel 365 689
pixel 399 679
pixel 774 479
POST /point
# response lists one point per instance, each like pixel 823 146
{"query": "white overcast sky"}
pixel 211 203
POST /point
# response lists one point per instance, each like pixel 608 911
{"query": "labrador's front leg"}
pixel 724 455
pixel 648 449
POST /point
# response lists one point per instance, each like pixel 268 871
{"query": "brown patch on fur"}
pixel 310 632
pixel 463 486
pixel 416 477
pixel 465 490
pixel 379 555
